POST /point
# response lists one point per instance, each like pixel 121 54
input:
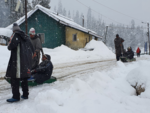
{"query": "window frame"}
pixel 74 39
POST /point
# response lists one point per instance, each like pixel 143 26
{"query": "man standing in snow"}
pixel 118 46
pixel 20 63
pixel 36 42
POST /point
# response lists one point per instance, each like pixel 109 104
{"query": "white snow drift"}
pixel 64 54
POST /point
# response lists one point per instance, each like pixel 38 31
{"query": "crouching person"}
pixel 130 53
pixel 44 70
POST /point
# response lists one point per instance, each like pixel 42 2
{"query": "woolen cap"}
pixel 16 27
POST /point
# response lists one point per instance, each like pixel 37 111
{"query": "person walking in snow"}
pixel 118 46
pixel 37 47
pixel 44 71
pixel 138 51
pixel 20 63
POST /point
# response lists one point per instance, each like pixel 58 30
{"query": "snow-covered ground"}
pixel 100 91
pixel 103 88
pixel 63 54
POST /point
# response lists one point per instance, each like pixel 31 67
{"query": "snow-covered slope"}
pixel 140 77
pixel 64 54
pixel 4 58
pixel 107 91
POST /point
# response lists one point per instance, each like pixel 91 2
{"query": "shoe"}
pixel 31 79
pixel 24 97
pixel 13 100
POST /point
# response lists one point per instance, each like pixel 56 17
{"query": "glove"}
pixel 34 55
pixel 33 71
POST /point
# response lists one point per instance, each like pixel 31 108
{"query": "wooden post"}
pixel 26 23
pixel 106 33
pixel 83 20
pixel 148 36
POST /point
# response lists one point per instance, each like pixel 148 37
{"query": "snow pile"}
pixel 100 48
pixel 105 91
pixel 5 32
pixel 65 54
pixel 140 77
pixel 4 58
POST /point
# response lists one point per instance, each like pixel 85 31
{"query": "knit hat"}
pixel 16 27
pixel 129 48
pixel 47 56
pixel 117 35
pixel 32 31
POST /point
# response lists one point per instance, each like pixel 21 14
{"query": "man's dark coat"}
pixel 21 56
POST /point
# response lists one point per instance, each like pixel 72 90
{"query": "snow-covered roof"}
pixel 60 18
pixel 5 32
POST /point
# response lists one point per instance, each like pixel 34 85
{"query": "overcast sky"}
pixel 139 9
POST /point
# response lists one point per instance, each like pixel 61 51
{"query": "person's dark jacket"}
pixel 118 45
pixel 130 54
pixel 124 53
pixel 21 56
pixel 43 72
pixel 36 44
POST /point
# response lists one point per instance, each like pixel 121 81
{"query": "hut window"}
pixel 42 37
pixel 74 36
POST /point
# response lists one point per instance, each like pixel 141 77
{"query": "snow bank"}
pixel 5 32
pixel 100 48
pixel 105 91
pixel 64 54
pixel 4 58
pixel 140 77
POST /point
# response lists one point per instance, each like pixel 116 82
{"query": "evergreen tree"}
pixel 76 18
pixel 69 15
pixel 89 19
pixel 44 3
pixel 55 9
pixel 60 8
pixel 4 14
pixel 81 20
pixel 64 12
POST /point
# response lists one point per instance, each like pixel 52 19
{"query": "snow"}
pixel 106 91
pixel 5 32
pixel 140 76
pixel 4 58
pixel 60 18
pixel 64 54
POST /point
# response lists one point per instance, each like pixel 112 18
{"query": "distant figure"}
pixel 130 53
pixel 20 63
pixel 138 51
pixel 118 46
pixel 37 45
pixel 44 71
